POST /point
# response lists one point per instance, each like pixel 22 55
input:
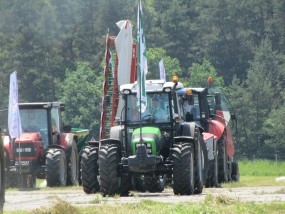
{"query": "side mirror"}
pixel 218 100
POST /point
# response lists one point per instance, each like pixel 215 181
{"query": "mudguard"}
pixel 66 140
pixel 116 132
pixel 186 132
pixel 216 128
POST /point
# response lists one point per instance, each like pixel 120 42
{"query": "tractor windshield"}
pixel 157 110
pixel 33 120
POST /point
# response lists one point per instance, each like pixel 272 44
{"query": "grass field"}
pixel 252 173
pixel 261 168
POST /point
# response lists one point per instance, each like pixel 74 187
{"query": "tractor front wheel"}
pixel 108 163
pixel 89 170
pixel 56 169
pixel 183 169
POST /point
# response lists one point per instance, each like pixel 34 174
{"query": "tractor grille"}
pixel 26 149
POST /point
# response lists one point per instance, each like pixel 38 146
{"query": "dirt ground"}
pixel 29 200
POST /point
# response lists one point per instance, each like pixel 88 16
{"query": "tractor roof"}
pixel 194 90
pixel 41 105
pixel 151 86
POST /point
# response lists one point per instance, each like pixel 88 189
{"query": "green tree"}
pixel 199 73
pixel 172 67
pixel 82 92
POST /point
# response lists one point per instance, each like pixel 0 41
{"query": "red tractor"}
pixel 46 149
pixel 213 113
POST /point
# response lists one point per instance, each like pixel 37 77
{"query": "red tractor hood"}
pixel 28 137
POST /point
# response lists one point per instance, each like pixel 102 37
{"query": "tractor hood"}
pixel 28 137
pixel 151 137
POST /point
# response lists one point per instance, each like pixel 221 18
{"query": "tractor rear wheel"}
pixel 73 167
pixel 155 184
pixel 89 169
pixel 56 169
pixel 183 169
pixel 108 163
pixel 235 171
pixel 222 160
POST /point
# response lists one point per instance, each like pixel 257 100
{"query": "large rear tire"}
pixel 235 171
pixel 89 170
pixel 108 163
pixel 73 167
pixel 56 169
pixel 183 169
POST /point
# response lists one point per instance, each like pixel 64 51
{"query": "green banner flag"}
pixel 141 62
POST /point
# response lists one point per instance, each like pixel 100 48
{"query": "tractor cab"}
pixel 157 118
pixel 43 119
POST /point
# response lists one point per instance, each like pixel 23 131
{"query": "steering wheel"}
pixel 150 118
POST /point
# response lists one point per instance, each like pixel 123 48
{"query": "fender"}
pixel 186 132
pixel 216 128
pixel 187 129
pixel 183 139
pixel 66 140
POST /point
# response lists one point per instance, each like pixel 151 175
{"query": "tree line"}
pixel 57 49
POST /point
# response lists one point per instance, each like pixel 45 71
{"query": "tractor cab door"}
pixel 55 125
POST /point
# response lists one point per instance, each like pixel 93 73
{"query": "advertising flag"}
pixel 141 60
pixel 14 120
pixel 162 70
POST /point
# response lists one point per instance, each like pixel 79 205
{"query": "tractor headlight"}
pixel 148 151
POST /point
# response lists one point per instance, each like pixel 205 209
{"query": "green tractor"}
pixel 145 149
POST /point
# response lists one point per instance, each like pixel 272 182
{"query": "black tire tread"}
pixel 89 170
pixel 181 162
